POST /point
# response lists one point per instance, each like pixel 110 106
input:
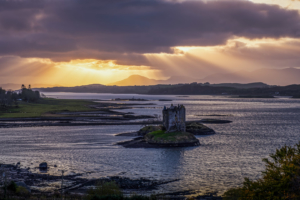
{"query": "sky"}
pixel 78 42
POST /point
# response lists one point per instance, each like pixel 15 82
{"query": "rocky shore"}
pixel 140 142
pixel 103 114
pixel 214 121
pixel 73 184
pixel 198 128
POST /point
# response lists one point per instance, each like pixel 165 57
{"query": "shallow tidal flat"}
pixel 68 112
pixel 258 127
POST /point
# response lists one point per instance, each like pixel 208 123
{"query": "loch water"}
pixel 222 161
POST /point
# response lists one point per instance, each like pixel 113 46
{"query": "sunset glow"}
pixel 229 43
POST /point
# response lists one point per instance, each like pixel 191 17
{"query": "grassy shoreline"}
pixel 46 107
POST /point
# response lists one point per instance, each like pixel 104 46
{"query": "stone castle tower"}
pixel 174 118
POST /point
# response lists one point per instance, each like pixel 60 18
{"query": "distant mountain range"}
pixel 287 76
pixel 282 77
pixel 142 80
pixel 240 79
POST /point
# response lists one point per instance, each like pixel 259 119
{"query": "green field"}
pixel 46 107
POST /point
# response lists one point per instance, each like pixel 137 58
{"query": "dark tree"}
pixel 29 95
pixel 7 98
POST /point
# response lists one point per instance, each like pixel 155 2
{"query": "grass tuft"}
pixel 160 134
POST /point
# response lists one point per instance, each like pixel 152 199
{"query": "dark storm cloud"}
pixel 124 29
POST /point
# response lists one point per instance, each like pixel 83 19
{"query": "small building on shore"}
pixel 174 118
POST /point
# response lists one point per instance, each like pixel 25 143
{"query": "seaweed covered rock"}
pixel 215 121
pixel 43 166
pixel 148 129
pixel 171 139
pixel 197 128
pixel 256 96
pixel 296 96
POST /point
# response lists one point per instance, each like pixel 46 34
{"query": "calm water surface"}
pixel 235 151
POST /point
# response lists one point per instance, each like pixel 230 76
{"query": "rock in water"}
pixel 43 166
pixel 197 128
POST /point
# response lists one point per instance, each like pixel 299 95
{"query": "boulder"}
pixel 43 166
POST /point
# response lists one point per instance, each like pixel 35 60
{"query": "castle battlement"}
pixel 174 118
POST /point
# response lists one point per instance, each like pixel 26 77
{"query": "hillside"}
pixel 141 80
pixel 287 76
pixel 136 80
pixel 240 85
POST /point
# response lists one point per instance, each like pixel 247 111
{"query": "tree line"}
pixel 10 98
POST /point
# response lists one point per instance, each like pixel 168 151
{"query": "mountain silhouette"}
pixel 287 76
pixel 141 80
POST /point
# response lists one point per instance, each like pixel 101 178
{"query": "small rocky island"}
pixel 174 131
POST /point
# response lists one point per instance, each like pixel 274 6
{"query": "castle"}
pixel 174 118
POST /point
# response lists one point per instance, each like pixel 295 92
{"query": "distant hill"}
pixel 141 80
pixel 252 89
pixel 287 76
pixel 197 89
pixel 180 79
pixel 136 80
pixel 240 85
pixel 90 86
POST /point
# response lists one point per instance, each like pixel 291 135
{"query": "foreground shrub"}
pixel 138 197
pixel 280 180
pixel 12 186
pixel 104 189
pixel 111 191
pixel 22 191
pixel 121 197
pixel 109 197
